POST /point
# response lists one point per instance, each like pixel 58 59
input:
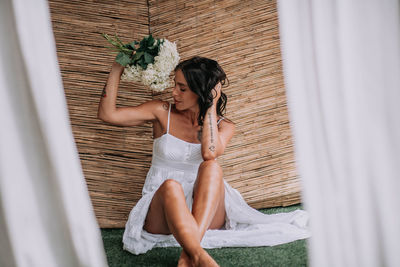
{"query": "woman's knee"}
pixel 211 165
pixel 210 171
pixel 170 186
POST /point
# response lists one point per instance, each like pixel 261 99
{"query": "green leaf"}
pixel 150 40
pixel 143 65
pixel 138 55
pixel 143 42
pixel 155 44
pixel 123 59
pixel 133 44
pixel 148 58
pixel 128 46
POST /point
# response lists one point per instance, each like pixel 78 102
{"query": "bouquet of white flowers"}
pixel 149 61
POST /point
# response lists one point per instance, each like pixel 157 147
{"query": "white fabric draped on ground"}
pixel 46 218
pixel 342 72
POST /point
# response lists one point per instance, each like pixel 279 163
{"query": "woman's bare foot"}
pixel 205 260
pixel 184 260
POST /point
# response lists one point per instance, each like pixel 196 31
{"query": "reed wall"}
pixel 241 35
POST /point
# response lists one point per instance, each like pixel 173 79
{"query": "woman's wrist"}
pixel 213 107
pixel 117 67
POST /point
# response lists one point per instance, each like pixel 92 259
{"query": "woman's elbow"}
pixel 210 155
pixel 104 117
pixel 101 116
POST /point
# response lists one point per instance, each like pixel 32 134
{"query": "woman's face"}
pixel 184 97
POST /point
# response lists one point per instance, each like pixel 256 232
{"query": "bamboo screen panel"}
pixel 241 35
pixel 114 159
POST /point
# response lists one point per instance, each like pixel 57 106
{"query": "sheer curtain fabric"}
pixel 342 72
pixel 46 218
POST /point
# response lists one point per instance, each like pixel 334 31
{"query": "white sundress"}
pixel 176 159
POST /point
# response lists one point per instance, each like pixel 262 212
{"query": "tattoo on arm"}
pixel 165 106
pixel 104 93
pixel 211 147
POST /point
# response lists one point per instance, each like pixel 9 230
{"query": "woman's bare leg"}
pixel 208 206
pixel 168 213
pixel 209 197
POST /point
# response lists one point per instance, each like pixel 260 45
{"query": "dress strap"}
pixel 169 112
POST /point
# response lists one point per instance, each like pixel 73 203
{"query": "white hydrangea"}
pixel 158 87
pixel 156 76
pixel 149 75
pixel 132 73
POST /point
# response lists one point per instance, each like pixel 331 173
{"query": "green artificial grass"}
pixel 291 254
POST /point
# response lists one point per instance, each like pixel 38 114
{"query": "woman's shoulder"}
pixel 158 105
pixel 159 108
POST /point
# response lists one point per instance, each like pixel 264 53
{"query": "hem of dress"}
pixel 244 226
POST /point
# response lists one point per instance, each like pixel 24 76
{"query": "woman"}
pixel 184 193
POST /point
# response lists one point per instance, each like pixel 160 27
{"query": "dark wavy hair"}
pixel 202 75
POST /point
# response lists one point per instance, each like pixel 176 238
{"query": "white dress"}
pixel 176 159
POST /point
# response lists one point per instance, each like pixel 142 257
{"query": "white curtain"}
pixel 342 73
pixel 46 218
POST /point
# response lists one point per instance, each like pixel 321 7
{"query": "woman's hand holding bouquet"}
pixel 149 61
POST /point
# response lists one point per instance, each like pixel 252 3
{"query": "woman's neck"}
pixel 191 114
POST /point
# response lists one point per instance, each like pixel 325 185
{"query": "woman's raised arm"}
pixel 124 116
pixel 214 138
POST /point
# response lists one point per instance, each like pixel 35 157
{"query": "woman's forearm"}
pixel 108 98
pixel 210 138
